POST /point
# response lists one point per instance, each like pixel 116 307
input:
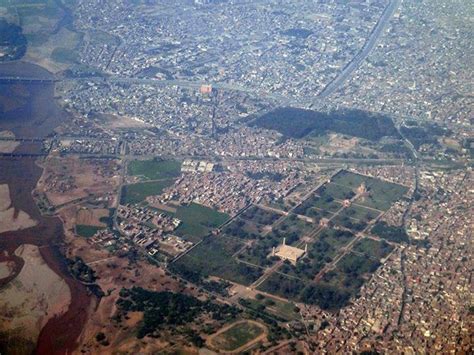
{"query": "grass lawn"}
pixel 214 257
pixel 155 169
pixel 198 220
pixel 136 193
pixel 285 310
pixel 237 336
pixel 86 231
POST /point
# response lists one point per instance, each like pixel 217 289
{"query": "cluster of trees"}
pixel 298 123
pixel 390 233
pixel 167 310
pixel 325 296
pixel 259 216
pixel 12 37
pixel 265 175
pixel 84 273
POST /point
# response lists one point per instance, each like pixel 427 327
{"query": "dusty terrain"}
pixel 32 298
pixel 91 217
pixel 11 219
pixel 70 178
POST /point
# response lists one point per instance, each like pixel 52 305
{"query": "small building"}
pixel 289 253
pixel 205 89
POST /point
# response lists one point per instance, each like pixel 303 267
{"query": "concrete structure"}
pixel 289 253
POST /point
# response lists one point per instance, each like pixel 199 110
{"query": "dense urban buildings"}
pixel 233 176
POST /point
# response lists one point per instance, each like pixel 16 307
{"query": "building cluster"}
pixel 414 68
pixel 418 301
pixel 150 229
pixel 266 50
pixel 226 191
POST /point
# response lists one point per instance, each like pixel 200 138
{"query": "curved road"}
pixel 364 52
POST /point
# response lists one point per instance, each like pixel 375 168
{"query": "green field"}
pixel 86 231
pixel 382 194
pixel 155 169
pixel 281 309
pixel 237 336
pixel 213 257
pixel 198 221
pixel 136 193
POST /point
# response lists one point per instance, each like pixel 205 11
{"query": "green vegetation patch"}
pixel 198 220
pixel 274 306
pixel 136 193
pixel 298 123
pixel 317 207
pixel 283 286
pixel 390 233
pixel 167 310
pixel 291 228
pixel 373 248
pixel 237 336
pixel 12 41
pixel 213 257
pixel 65 55
pixel 360 213
pixel 251 223
pixel 87 231
pixel 155 169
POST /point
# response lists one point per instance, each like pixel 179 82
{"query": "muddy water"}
pixel 29 110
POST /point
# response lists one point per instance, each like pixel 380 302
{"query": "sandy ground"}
pixel 6 268
pixel 66 179
pixel 33 297
pixel 10 221
pixel 91 217
pixel 8 146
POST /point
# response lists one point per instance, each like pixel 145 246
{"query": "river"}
pixel 33 112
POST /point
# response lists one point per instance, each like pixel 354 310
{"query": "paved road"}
pixel 364 52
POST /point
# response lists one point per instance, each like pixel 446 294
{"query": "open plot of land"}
pixel 136 193
pixel 92 217
pixel 65 179
pixel 155 169
pixel 237 336
pixel 213 257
